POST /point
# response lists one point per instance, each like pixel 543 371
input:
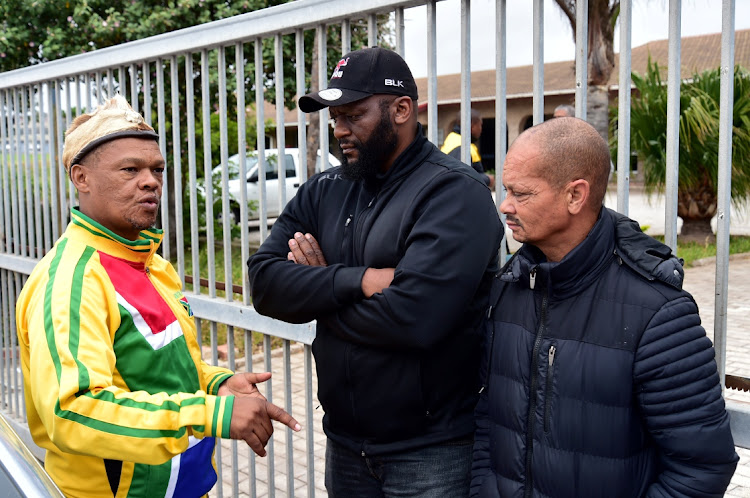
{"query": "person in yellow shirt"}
pixel 452 145
pixel 116 390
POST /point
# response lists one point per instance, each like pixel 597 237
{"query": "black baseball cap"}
pixel 362 73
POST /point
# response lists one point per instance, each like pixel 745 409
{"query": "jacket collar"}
pixel 84 229
pixel 576 271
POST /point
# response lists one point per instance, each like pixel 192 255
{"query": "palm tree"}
pixel 699 143
pixel 601 55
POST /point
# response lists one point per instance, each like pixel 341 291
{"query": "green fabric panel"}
pixel 227 419
pixel 76 289
pixel 150 480
pixel 117 429
pixel 169 369
pixel 49 328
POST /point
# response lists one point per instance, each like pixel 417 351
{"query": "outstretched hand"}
pixel 251 422
pixel 244 384
pixel 304 250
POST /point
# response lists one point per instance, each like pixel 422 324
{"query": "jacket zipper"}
pixel 548 387
pixel 358 229
pixel 529 486
pixel 347 235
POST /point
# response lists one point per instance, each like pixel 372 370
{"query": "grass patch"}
pixel 693 251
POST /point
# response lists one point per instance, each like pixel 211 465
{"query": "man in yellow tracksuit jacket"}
pixel 116 390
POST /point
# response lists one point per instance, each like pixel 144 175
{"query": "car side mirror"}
pixel 252 179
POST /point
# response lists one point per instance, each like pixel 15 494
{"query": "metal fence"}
pixel 38 103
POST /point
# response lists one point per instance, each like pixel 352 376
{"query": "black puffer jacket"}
pixel 398 370
pixel 600 380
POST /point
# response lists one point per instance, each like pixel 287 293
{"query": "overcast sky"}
pixel 650 22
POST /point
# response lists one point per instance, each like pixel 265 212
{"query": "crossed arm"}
pixel 305 250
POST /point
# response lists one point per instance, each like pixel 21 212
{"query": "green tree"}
pixel 602 17
pixel 38 31
pixel 699 143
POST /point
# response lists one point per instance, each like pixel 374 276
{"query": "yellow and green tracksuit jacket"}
pixel 116 390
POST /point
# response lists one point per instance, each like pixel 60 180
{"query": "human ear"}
pixel 404 109
pixel 577 195
pixel 79 177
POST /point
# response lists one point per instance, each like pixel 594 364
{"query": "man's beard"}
pixel 373 153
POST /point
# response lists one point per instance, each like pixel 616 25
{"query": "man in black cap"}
pixel 391 253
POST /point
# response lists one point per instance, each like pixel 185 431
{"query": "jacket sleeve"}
pixel 680 398
pixel 66 330
pixel 449 244
pixel 299 293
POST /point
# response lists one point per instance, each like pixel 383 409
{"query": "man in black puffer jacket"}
pixel 598 379
pixel 392 253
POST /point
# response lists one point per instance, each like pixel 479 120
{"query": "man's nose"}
pixel 340 129
pixel 150 180
pixel 506 207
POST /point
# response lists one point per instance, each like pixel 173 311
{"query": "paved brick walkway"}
pixel 699 281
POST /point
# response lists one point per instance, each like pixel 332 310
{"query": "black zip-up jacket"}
pixel 399 370
pixel 599 380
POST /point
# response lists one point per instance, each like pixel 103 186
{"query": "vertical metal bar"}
pixel 231 366
pixel 47 159
pixel 5 174
pixel 55 161
pixel 239 54
pixel 224 158
pixel 726 108
pixel 372 30
pixel 207 171
pixel 35 169
pixel 299 37
pixel 110 84
pixel 251 461
pixel 79 103
pixel 177 168
pixel 673 126
pixel 582 54
pixel 10 100
pixel 399 21
pixel 134 87
pixel 432 95
pixel 287 431
pixel 147 92
pixel 309 423
pixel 280 128
pixel 192 172
pixel 67 186
pixel 623 116
pixel 99 92
pixel 20 125
pixel 87 86
pixel 323 83
pixel 501 110
pixel 346 37
pixel 538 69
pixel 269 397
pixel 28 168
pixel 14 359
pixel 4 331
pixel 466 81
pixel 219 487
pixel 162 130
pixel 261 147
pixel 122 83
